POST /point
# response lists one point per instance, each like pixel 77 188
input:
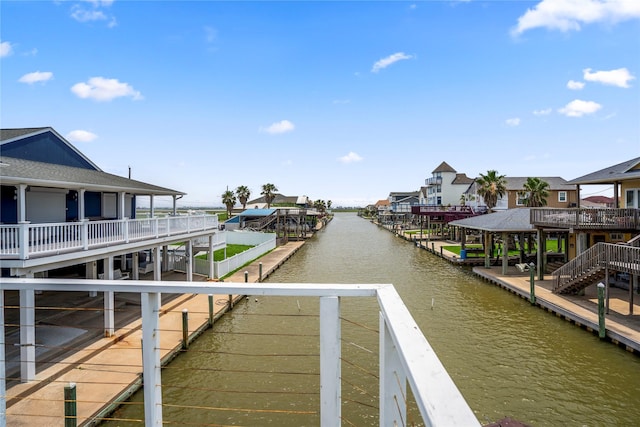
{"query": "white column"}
pixel 212 273
pixel 22 202
pixel 151 373
pixel 27 334
pixel 81 204
pixel 121 212
pixel 135 265
pixel 91 271
pixel 109 300
pixel 330 365
pixel 189 259
pixel 505 253
pixel 151 207
pixel 393 381
pixel 157 264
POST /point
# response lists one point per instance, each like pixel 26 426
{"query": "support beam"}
pixel 330 364
pixel 210 258
pixel 393 381
pixel 151 369
pixel 505 253
pixel 189 259
pixel 157 264
pixel 135 265
pixel 109 300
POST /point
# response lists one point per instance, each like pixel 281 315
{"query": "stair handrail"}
pixel 589 260
pixel 635 242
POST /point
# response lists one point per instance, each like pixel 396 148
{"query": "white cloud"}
pixel 620 77
pixel 391 59
pixel 574 85
pixel 5 49
pixel 568 15
pixel 544 112
pixel 350 158
pixel 282 126
pixel 210 34
pixel 81 13
pixel 101 89
pixel 81 136
pixel 513 122
pixel 578 108
pixel 36 76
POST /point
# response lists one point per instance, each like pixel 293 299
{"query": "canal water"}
pixel 507 357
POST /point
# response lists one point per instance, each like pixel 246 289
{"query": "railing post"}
pixel 393 383
pixel 70 408
pixel 85 234
pixel 125 230
pixel 27 334
pixel 330 363
pixel 23 233
pixel 151 369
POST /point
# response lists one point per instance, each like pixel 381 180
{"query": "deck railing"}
pixel 405 356
pixel 622 258
pixel 22 241
pixel 586 218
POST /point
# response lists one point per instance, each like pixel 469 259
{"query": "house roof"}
pixel 20 171
pixel 508 221
pixel 621 172
pixel 404 193
pixel 444 167
pixel 279 198
pixel 257 212
pixel 599 199
pixel 462 179
pixel 555 183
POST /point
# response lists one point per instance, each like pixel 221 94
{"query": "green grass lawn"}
pixel 552 245
pixel 231 251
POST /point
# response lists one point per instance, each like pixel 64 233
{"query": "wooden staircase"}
pixel 591 266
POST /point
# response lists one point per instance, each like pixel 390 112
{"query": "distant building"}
pixel 561 193
pixel 598 202
pixel 401 202
pixel 446 186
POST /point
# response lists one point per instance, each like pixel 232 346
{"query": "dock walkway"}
pixel 109 369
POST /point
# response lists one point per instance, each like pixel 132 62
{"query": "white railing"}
pixel 20 241
pixel 405 355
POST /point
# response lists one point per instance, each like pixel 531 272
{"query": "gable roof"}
pixel 20 171
pixel 444 167
pixel 42 145
pixel 462 179
pixel 508 221
pixel 621 172
pixel 555 183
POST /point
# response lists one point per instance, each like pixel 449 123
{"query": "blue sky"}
pixel 340 101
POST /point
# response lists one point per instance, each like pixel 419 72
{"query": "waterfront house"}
pixel 61 214
pixel 561 193
pixel 446 186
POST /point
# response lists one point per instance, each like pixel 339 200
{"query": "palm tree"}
pixel 269 193
pixel 228 199
pixel 243 194
pixel 328 204
pixel 535 191
pixel 491 187
pixel 320 205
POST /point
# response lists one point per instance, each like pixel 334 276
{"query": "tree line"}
pixel 242 195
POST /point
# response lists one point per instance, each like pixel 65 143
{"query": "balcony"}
pixel 404 354
pixel 586 218
pixel 24 241
pixel 436 180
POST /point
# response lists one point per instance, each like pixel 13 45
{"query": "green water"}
pixel 507 357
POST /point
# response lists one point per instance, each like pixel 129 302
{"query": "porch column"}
pixel 157 264
pixel 330 365
pixel 487 249
pixel 616 196
pixel 175 205
pixel 27 333
pixel 81 204
pixel 135 265
pixel 151 368
pixel 212 273
pixel 189 260
pixel 505 253
pixel 578 196
pixel 165 258
pixel 151 207
pixel 539 254
pixel 22 202
pixel 91 272
pixel 121 200
pixel 109 300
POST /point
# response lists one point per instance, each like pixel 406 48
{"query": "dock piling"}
pixel 211 311
pixel 185 329
pixel 602 331
pixel 532 280
pixel 70 409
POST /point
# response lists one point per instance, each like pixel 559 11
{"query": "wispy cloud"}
pixel 210 34
pixel 36 76
pixel 282 126
pixel 513 122
pixel 574 85
pixel 350 158
pixel 93 10
pixel 570 15
pixel 389 60
pixel 544 112
pixel 341 101
pixel 620 77
pixel 81 136
pixel 6 49
pixel 578 108
pixel 101 89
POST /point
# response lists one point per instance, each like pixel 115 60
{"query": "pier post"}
pixel 70 409
pixel 602 331
pixel 151 367
pixel 330 365
pixel 532 281
pixel 230 301
pixel 185 329
pixel 260 272
pixel 210 297
pixel 246 277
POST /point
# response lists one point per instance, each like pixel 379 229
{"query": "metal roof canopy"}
pixel 509 221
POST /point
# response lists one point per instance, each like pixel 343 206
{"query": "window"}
pixel 521 199
pixel 631 198
pixel 562 196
